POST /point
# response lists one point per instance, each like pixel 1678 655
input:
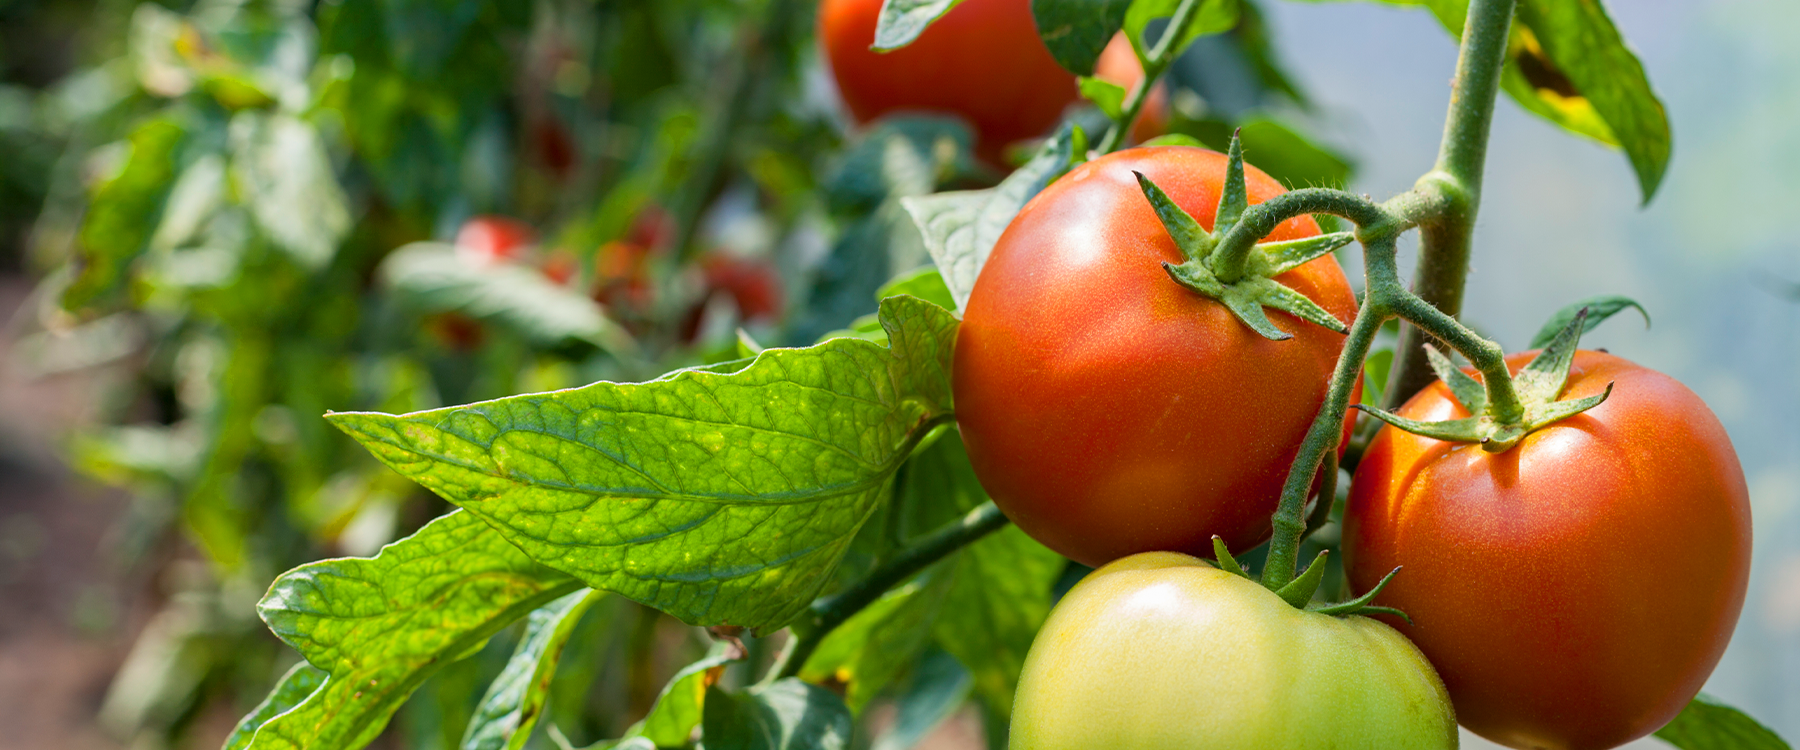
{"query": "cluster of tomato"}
pixel 1572 592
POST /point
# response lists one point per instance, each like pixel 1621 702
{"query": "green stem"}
pixel 1161 56
pixel 1290 516
pixel 1444 244
pixel 830 612
pixel 1233 253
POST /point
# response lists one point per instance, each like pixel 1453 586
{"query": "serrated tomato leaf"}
pixel 514 700
pixel 1708 724
pixel 293 688
pixel 961 227
pixel 380 626
pixel 722 499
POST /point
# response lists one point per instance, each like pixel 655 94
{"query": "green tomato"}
pixel 1161 651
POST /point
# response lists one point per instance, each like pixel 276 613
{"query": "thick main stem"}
pixel 1444 243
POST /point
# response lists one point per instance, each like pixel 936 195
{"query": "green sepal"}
pixel 1234 198
pixel 1299 591
pixel 1544 378
pixel 1194 242
pixel 1361 605
pixel 1468 391
pixel 1246 297
pixel 1465 430
pixel 1226 562
pixel 1539 384
pixel 1276 258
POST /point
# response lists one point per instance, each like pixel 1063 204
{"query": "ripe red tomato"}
pixel 489 239
pixel 1575 591
pixel 983 60
pixel 1109 410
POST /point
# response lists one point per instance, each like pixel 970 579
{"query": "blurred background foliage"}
pixel 250 213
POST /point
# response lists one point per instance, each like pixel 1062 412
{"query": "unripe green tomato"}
pixel 1161 651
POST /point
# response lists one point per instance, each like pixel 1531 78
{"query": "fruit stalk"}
pixel 1444 241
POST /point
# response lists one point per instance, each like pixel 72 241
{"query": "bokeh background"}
pixel 83 586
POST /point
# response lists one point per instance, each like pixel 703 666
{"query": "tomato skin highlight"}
pixel 492 239
pixel 1107 409
pixel 982 60
pixel 1576 591
pixel 1160 651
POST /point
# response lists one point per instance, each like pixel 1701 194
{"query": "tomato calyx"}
pixel 1246 290
pixel 1298 593
pixel 1539 385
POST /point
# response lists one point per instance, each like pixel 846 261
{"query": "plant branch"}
pixel 1290 516
pixel 830 612
pixel 1444 244
pixel 1161 57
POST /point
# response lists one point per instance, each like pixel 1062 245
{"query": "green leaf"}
pixel 784 715
pixel 515 700
pixel 380 626
pixel 280 166
pixel 1375 375
pixel 122 210
pixel 294 687
pixel 1076 31
pixel 1598 309
pixel 722 499
pixel 1212 17
pixel 876 645
pixel 679 707
pixel 939 686
pixel 1567 63
pixel 961 227
pixel 902 21
pixel 1579 38
pixel 1707 724
pixel 432 277
pixel 1279 150
pixel 999 588
pixel 1108 96
pixel 924 282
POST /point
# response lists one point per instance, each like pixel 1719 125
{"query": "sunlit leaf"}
pixel 722 499
pixel 295 686
pixel 123 208
pixel 380 626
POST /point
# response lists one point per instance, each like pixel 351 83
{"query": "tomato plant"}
pixel 982 60
pixel 1525 573
pixel 1162 650
pixel 595 511
pixel 1124 413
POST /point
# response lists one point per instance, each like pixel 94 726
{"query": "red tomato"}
pixel 1575 591
pixel 490 239
pixel 1109 410
pixel 1119 65
pixel 983 60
